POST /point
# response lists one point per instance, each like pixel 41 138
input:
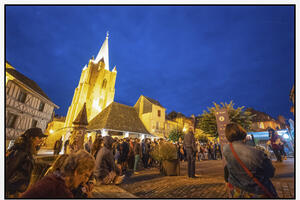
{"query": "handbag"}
pixel 250 174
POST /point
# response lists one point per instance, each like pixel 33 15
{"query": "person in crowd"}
pixel 275 143
pixel 130 158
pixel 205 150
pixel 181 152
pixel 145 152
pixel 198 145
pixel 117 152
pixel 66 146
pixel 57 146
pixel 19 161
pixel 238 154
pixel 190 146
pixel 282 144
pixel 210 151
pixel 218 153
pixel 106 171
pixel 137 154
pixel 151 162
pixel 250 140
pixel 97 145
pixel 88 145
pixel 84 190
pixel 76 170
pixel 124 149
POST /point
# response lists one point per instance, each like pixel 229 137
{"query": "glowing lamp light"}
pixel 184 129
pixel 286 136
pixel 126 134
pixel 51 131
pixel 104 133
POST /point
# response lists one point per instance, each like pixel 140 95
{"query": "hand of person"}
pixel 88 189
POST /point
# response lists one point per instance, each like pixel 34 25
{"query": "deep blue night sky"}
pixel 186 57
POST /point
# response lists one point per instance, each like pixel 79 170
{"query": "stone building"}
pixel 182 121
pixel 27 105
pixel 152 114
pixel 96 87
pixel 261 121
pixel 54 127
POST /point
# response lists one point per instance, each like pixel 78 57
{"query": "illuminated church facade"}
pixel 96 87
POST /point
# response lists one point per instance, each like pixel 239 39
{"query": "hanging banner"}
pixel 222 119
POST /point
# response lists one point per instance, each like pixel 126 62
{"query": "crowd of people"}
pixel 204 151
pixel 104 161
pixel 107 161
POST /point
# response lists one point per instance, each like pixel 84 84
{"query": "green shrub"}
pixel 164 151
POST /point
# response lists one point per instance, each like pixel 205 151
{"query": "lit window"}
pixel 158 113
pixel 22 96
pixel 11 120
pixel 41 107
pixel 33 123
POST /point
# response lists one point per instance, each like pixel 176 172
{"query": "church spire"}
pixel 103 53
pixel 81 118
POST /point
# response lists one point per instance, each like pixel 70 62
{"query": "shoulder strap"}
pixel 249 173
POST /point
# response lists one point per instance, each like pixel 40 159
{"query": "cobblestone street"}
pixel 210 184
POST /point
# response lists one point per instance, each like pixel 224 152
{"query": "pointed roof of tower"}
pixel 103 53
pixel 81 118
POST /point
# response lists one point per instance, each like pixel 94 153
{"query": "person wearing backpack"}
pixel 19 162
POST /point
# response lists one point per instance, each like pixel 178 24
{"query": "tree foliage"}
pixel 175 134
pixel 208 124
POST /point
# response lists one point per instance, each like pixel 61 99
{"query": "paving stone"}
pixel 150 184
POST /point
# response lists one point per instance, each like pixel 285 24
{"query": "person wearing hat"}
pixel 19 161
pixel 191 150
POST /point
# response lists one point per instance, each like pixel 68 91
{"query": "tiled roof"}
pixel 118 117
pixel 30 83
pixel 259 116
pixel 153 101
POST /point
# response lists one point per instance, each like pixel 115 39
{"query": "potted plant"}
pixel 166 154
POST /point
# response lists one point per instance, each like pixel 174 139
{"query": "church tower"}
pixel 96 87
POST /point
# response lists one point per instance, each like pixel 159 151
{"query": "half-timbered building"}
pixel 27 105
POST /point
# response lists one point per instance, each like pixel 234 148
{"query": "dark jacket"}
pixel 58 145
pixel 19 165
pixel 145 148
pixel 189 142
pixel 256 161
pixel 50 186
pixel 105 159
pixel 274 144
pixel 124 149
pixel 137 148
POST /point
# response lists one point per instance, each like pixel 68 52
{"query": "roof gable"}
pixel 153 101
pixel 25 80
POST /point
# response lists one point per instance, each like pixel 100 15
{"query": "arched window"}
pixel 104 83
